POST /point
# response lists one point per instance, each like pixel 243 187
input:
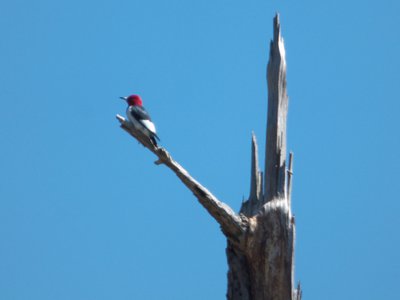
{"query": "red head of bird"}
pixel 133 100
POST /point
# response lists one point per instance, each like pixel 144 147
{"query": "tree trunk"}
pixel 260 239
pixel 262 267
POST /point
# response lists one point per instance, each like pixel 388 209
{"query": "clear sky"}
pixel 86 215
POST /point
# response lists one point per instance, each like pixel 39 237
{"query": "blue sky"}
pixel 84 212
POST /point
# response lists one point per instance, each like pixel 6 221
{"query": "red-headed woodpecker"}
pixel 140 118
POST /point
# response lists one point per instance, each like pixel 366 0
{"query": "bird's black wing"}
pixel 140 113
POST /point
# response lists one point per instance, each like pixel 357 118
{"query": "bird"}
pixel 140 118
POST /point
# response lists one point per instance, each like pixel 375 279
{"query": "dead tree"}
pixel 261 236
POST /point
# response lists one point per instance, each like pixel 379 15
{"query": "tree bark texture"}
pixel 260 238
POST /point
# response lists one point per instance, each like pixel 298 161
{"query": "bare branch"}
pixel 232 224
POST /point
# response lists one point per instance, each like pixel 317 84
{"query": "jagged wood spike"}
pixel 298 292
pixel 255 173
pixel 261 195
pixel 275 152
pixel 251 206
pixel 289 179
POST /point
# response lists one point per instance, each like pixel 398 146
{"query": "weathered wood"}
pixel 252 205
pixel 255 184
pixel 275 154
pixel 298 292
pixel 289 179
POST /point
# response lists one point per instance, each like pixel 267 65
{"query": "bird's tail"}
pixel 154 139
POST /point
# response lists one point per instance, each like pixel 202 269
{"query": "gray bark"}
pixel 260 239
pixel 275 154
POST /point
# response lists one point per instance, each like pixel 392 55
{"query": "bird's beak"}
pixel 124 98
